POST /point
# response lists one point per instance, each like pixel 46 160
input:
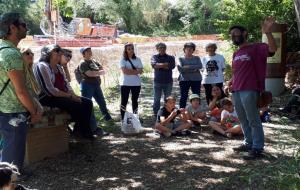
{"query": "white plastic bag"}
pixel 131 124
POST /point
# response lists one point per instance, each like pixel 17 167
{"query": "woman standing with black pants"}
pixel 130 80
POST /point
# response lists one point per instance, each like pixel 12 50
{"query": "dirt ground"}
pixel 200 161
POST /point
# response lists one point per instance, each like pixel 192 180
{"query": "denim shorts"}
pixel 173 125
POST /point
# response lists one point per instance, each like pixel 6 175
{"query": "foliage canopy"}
pixel 162 17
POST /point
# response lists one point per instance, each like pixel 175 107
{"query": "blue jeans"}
pixel 158 88
pixel 184 90
pixel 14 138
pixel 248 114
pixel 90 90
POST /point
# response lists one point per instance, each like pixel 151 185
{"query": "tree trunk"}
pixel 297 9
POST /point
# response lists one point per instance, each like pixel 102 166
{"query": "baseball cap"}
pixel 83 49
pixel 194 96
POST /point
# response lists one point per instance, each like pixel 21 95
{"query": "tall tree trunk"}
pixel 297 9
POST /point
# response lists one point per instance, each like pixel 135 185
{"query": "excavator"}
pixel 79 32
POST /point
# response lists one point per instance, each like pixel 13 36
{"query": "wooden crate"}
pixel 46 142
pixel 48 138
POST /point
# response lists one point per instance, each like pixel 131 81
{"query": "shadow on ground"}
pixel 200 161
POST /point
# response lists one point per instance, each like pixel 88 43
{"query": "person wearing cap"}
pixel 90 85
pixel 213 68
pixel 57 92
pixel 194 111
pixel 189 73
pixel 249 65
pixel 16 103
pixel 163 64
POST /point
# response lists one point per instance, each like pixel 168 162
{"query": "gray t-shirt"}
pixel 189 69
pixel 189 108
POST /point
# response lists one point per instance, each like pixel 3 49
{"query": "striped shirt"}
pixel 45 76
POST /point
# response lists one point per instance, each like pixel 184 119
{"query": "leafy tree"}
pixel 22 7
pixel 19 6
pixel 250 14
pixel 199 15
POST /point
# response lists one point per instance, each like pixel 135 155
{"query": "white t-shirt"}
pixel 225 113
pixel 130 80
pixel 213 67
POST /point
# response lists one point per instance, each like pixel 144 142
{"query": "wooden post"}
pixel 276 65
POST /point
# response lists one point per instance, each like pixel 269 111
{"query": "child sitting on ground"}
pixel 166 123
pixel 229 121
pixel 9 177
pixel 194 111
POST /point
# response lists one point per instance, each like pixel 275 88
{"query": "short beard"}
pixel 239 42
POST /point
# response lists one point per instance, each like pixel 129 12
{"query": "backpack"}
pixel 78 75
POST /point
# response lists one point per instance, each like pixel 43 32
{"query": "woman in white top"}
pixel 213 68
pixel 130 79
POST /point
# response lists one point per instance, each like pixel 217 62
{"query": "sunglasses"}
pixel 57 50
pixel 68 56
pixel 23 24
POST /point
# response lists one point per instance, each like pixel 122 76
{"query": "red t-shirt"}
pixel 60 82
pixel 249 66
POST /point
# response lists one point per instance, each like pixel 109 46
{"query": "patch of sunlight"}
pixel 80 181
pixel 278 126
pixel 190 153
pixel 157 161
pixel 118 152
pixel 100 179
pixel 135 184
pixel 159 175
pixel 179 146
pixel 195 163
pixel 117 141
pixel 119 188
pixel 236 160
pixel 213 180
pixel 220 155
pixel 286 150
pixel 220 168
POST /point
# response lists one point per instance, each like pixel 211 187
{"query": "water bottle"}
pixel 17 120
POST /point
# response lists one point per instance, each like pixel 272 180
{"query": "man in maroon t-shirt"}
pixel 249 65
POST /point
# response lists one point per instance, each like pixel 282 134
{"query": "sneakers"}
pixel 253 154
pixel 228 135
pixel 100 132
pixel 242 148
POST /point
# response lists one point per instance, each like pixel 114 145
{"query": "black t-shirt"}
pixel 163 112
pixel 90 65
